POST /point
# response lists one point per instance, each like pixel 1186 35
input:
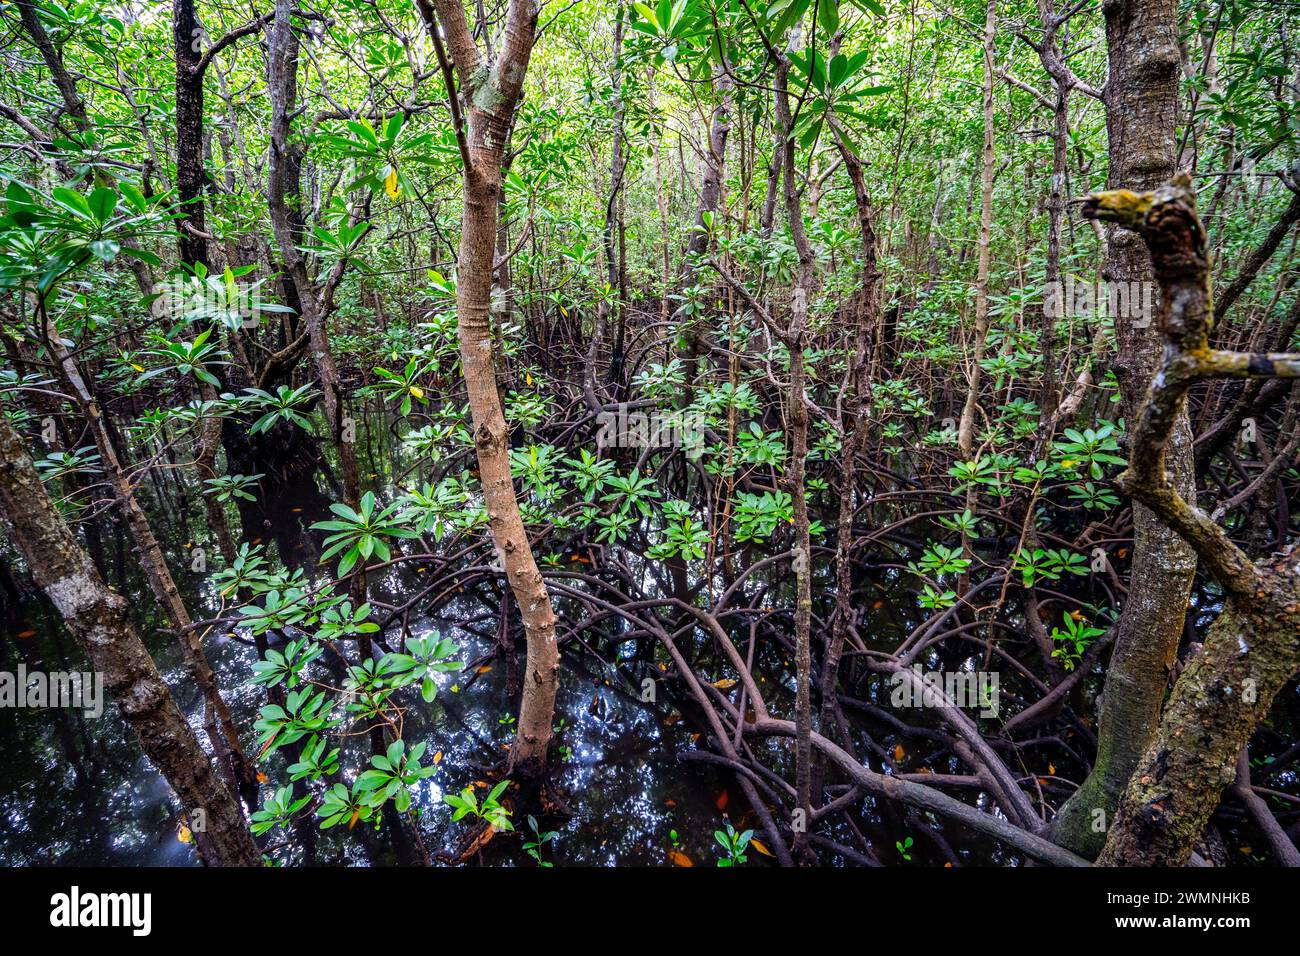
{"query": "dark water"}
pixel 627 791
pixel 75 790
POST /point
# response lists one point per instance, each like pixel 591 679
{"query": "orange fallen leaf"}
pixel 760 847
pixel 485 668
pixel 184 835
pixel 678 858
pixel 899 752
pixel 878 605
pixel 1051 769
pixel 481 784
pixel 722 800
pixel 353 822
pixel 726 683
pixel 27 633
pixel 670 803
pixel 261 777
pixel 437 758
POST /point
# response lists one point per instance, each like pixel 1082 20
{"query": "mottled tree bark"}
pixel 490 92
pixel 1253 647
pixel 795 338
pixel 187 36
pixel 1141 98
pixel 98 620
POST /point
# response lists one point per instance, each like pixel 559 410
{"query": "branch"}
pixel 465 53
pixel 1168 221
pixel 453 100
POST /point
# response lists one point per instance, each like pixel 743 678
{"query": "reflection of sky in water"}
pixel 77 791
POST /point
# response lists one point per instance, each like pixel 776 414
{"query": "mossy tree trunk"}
pixel 98 620
pixel 1141 99
pixel 1253 647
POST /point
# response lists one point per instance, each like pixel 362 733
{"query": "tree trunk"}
pixel 1253 647
pixel 966 429
pixel 98 620
pixel 490 93
pixel 797 412
pixel 1141 111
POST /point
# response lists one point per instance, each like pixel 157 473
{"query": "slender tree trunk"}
pixel 190 177
pixel 867 304
pixel 966 429
pixel 797 412
pixel 490 93
pixel 283 194
pixel 608 301
pixel 219 724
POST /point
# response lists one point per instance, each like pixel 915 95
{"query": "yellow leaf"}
pixel 725 683
pixel 416 391
pixel 1051 769
pixel 390 184
pixel 184 835
pixel 528 378
pixel 899 752
pixel 437 758
pixel 138 368
pixel 760 848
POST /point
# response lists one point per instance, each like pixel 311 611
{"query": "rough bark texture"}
pixel 97 619
pixel 797 411
pixel 190 177
pixel 490 93
pixel 1141 112
pixel 1253 647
